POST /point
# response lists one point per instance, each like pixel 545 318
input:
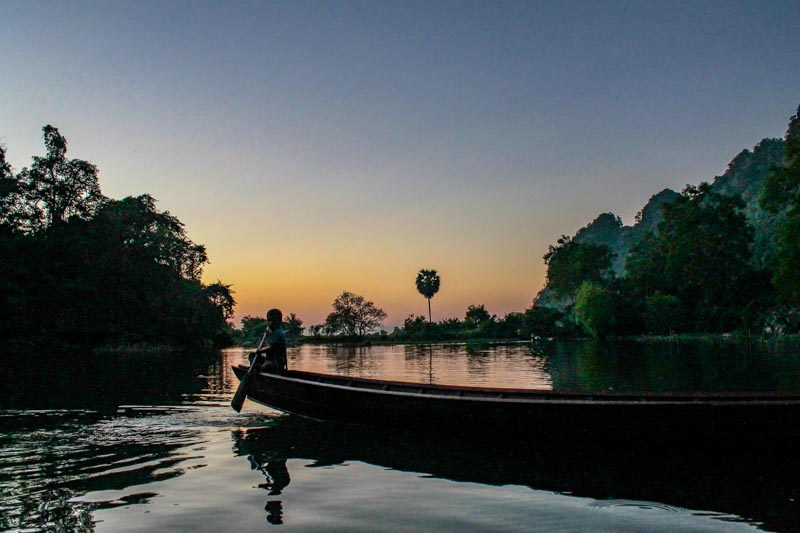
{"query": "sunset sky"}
pixel 316 147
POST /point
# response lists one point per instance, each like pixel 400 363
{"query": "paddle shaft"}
pixel 244 384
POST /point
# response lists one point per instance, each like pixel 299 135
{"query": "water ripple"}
pixel 50 457
pixel 639 505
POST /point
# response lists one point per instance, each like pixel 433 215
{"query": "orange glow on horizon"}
pixel 309 292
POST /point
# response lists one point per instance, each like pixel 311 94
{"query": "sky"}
pixel 317 147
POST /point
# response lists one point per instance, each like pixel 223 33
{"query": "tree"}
pixel 513 325
pixel 701 256
pixel 594 308
pixel 253 328
pixel 477 315
pixel 663 313
pixel 353 316
pixel 293 326
pixel 645 266
pixel 89 271
pixel 415 327
pixel 9 194
pixel 221 296
pixel 782 193
pixel 428 284
pixel 56 188
pixel 159 235
pixel 570 263
pixel 542 321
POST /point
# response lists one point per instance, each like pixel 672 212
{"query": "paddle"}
pixel 244 384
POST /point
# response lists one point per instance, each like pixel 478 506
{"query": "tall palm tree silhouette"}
pixel 428 284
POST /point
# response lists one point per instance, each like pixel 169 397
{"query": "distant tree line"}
pixel 253 328
pixel 718 260
pixel 355 319
pixel 79 269
pixel 478 323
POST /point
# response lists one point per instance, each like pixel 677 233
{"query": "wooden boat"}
pixel 524 412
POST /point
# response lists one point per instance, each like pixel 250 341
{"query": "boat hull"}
pixel 524 412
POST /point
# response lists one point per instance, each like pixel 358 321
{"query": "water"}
pixel 144 443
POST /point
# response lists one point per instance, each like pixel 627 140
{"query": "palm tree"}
pixel 428 284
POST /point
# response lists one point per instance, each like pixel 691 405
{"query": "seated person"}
pixel 274 352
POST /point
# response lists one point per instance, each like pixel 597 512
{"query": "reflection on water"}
pixel 49 457
pixel 153 444
pixel 586 365
pixel 503 365
pixel 694 476
pixel 710 366
pixel 68 433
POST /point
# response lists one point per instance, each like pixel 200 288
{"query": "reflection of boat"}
pixel 524 412
pixel 759 484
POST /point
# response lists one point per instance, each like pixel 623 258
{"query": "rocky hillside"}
pixel 745 176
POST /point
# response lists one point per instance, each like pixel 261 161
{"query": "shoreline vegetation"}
pixel 721 257
pixel 717 261
pixel 85 271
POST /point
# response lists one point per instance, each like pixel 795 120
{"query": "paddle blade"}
pixel 241 393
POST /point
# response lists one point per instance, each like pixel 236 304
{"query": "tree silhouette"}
pixel 428 282
pixel 477 315
pixel 57 188
pixel 353 315
pixel 293 326
pixel 84 271
pixel 10 193
pixel 221 295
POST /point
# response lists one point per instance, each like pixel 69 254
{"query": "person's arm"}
pixel 263 349
pixel 272 340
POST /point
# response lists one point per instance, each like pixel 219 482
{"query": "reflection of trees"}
pixel 589 365
pixel 420 358
pixel 486 364
pixel 216 374
pixel 337 359
pixel 225 380
pixel 695 365
pixel 85 380
pixel 478 360
pixel 496 364
pixel 349 360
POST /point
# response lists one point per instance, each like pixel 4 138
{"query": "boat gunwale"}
pixel 532 396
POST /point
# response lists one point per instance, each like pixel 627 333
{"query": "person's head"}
pixel 274 318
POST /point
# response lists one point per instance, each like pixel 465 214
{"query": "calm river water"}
pixel 147 443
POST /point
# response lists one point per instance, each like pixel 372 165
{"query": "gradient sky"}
pixel 316 147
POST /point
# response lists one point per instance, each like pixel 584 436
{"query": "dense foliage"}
pixel 84 270
pixel 570 263
pixel 782 193
pixel 478 323
pixel 718 257
pixel 701 255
